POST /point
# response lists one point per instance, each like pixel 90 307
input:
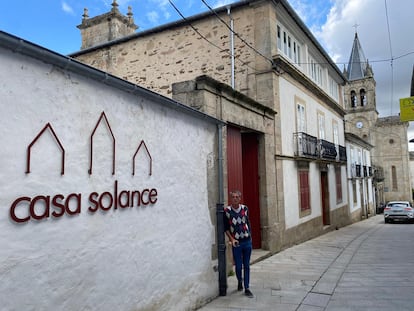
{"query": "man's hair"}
pixel 236 192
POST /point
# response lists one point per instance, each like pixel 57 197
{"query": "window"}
pixel 335 130
pixel 300 118
pixel 279 38
pixel 288 45
pixel 363 97
pixel 289 48
pixel 294 52
pixel 315 72
pixel 338 179
pixel 321 125
pixel 394 178
pixel 333 88
pixel 304 195
pixel 353 99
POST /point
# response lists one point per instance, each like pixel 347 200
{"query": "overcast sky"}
pixel 385 30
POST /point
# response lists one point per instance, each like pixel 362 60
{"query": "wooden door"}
pixel 243 174
pixel 251 184
pixel 325 199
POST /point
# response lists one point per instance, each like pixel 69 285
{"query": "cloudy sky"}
pixel 385 30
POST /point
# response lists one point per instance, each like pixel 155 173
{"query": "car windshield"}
pixel 398 204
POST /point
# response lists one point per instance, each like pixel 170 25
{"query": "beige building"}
pixel 256 66
pixel 388 135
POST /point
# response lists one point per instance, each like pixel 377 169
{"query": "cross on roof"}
pixel 356 27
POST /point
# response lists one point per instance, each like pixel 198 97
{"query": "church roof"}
pixel 357 61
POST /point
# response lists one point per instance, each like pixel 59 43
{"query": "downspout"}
pixel 221 243
pixel 231 45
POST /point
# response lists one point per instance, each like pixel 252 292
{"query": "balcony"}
pixel 306 145
pixel 342 154
pixel 360 171
pixel 327 150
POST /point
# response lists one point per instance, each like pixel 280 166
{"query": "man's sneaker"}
pixel 240 287
pixel 248 293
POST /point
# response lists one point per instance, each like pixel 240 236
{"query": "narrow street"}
pixel 364 266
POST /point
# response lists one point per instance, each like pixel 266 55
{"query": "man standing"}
pixel 237 229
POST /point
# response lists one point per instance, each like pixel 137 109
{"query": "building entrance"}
pixel 243 174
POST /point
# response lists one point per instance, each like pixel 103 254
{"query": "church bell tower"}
pixel 360 104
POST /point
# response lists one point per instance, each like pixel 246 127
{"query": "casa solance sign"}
pixel 25 208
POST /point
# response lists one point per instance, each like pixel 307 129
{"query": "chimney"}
pixel 106 27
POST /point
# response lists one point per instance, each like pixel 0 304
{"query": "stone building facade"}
pixel 300 179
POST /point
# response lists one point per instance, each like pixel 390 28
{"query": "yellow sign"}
pixel 407 109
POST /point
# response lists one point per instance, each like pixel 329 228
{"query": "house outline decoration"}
pixel 29 147
pixel 142 143
pixel 102 117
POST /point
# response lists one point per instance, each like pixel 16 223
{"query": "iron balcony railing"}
pixel 378 173
pixel 327 150
pixel 342 153
pixel 306 145
pixel 359 171
pixel 309 146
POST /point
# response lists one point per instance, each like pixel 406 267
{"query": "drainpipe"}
pixel 231 45
pixel 221 243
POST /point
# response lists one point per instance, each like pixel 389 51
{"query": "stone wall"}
pixel 157 59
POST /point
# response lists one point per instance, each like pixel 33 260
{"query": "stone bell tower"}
pixel 360 103
pixel 106 27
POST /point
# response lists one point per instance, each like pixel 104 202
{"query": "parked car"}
pixel 398 210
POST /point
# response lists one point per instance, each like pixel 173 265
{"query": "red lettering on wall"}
pixel 13 209
pixel 40 207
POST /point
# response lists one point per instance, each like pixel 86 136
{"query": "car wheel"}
pixel 386 220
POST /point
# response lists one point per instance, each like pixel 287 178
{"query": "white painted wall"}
pixel 365 188
pixel 137 258
pixel 288 93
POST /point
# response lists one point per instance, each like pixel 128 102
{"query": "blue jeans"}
pixel 241 256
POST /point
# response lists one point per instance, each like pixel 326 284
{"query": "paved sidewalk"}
pixel 341 270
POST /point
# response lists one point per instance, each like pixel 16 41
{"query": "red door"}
pixel 251 184
pixel 234 159
pixel 325 199
pixel 243 174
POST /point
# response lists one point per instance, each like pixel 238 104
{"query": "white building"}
pixel 360 174
pixel 105 190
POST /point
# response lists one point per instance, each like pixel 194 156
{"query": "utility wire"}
pixel 269 59
pixel 236 34
pixel 301 63
pixel 204 38
pixel 392 59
